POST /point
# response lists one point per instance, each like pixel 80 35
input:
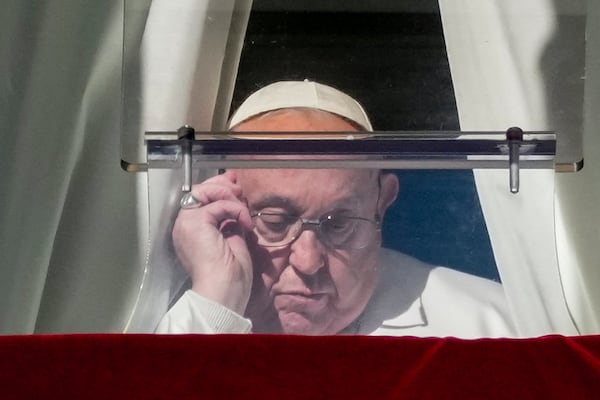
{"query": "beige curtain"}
pixel 73 225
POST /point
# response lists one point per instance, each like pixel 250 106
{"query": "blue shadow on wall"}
pixel 437 218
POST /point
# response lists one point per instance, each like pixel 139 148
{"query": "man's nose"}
pixel 308 254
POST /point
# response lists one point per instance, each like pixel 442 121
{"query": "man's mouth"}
pixel 300 302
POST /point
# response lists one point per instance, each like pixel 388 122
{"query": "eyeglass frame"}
pixel 315 225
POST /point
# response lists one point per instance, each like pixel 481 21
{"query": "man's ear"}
pixel 388 191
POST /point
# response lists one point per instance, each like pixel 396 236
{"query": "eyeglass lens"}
pixel 337 231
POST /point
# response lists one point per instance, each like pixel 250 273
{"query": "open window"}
pixel 442 84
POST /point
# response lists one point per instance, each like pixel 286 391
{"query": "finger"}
pixel 227 178
pixel 216 213
pixel 208 192
pixel 226 210
pixel 231 175
pixel 232 228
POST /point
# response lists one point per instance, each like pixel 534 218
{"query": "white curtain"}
pixel 521 63
pixel 190 83
pixel 73 225
pixel 578 203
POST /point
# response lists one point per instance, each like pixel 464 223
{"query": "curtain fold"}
pixel 41 140
pixel 187 74
pixel 73 225
pixel 514 63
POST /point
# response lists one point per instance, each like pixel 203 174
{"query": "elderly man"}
pixel 298 251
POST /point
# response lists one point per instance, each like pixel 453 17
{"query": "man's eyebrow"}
pixel 273 200
pixel 346 204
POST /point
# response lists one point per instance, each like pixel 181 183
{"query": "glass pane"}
pixel 391 261
pixel 163 276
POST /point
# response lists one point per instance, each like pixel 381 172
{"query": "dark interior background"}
pixel 393 60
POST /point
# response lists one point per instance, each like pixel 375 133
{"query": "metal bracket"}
pixel 186 135
pixel 514 136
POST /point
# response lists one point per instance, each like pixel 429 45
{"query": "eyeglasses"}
pixel 335 231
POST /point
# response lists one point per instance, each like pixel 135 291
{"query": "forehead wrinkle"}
pixel 296 192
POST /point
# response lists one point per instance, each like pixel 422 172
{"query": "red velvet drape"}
pixel 295 367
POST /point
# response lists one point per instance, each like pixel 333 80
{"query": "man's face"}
pixel 309 287
pixel 314 289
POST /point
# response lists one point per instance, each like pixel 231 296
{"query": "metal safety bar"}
pixel 512 149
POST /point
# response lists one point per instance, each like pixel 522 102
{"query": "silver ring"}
pixel 189 201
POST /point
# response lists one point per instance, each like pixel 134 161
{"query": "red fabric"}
pixel 294 367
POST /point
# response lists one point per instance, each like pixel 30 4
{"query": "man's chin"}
pixel 293 323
